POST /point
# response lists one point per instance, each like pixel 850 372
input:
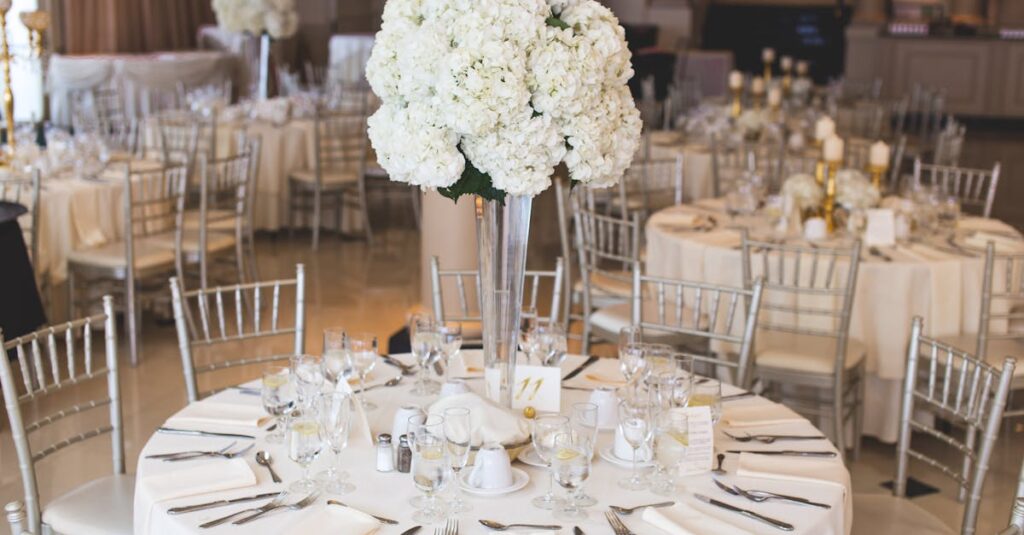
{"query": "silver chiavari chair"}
pixel 607 248
pixel 976 188
pixel 861 89
pixel 728 163
pixel 465 283
pixel 941 381
pixel 101 109
pixel 220 317
pixel 52 365
pixel 803 332
pixel 683 95
pixel 178 139
pixel 949 144
pixel 1016 526
pixel 338 175
pixel 153 208
pixel 650 185
pixel 865 120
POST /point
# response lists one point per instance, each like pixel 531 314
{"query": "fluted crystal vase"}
pixel 503 230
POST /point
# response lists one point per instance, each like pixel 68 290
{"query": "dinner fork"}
pixel 759 496
pixel 224 454
pixel 617 525
pixel 179 453
pixel 451 527
pixel 301 504
pixel 768 439
pixel 216 522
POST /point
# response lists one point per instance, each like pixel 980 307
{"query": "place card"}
pixel 700 453
pixel 881 227
pixel 539 387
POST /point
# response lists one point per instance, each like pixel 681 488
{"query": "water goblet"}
pixel 362 352
pixel 278 395
pixel 570 465
pixel 450 337
pixel 708 393
pixel 545 428
pixel 636 425
pixel 430 468
pixel 309 378
pixel 551 344
pixel 335 360
pixel 527 330
pixel 583 422
pixel 671 440
pixel 458 433
pixel 426 348
pixel 335 411
pixel 305 443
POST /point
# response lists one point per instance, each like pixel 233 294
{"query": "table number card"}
pixel 881 227
pixel 539 387
pixel 701 451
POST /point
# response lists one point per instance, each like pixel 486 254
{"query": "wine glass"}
pixel 632 361
pixel 305 443
pixel 278 395
pixel 450 336
pixel 545 428
pixel 551 344
pixel 335 410
pixel 362 352
pixel 583 422
pixel 671 440
pixel 527 330
pixel 334 358
pixel 570 465
pixel 426 347
pixel 458 432
pixel 430 467
pixel 708 393
pixel 309 378
pixel 635 415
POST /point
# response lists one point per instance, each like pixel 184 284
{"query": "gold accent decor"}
pixel 5 56
pixel 877 172
pixel 737 105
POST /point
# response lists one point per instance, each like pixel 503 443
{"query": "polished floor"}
pixel 373 289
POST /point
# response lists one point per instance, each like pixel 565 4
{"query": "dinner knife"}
pixel 219 503
pixel 793 453
pixel 412 530
pixel 741 395
pixel 197 433
pixel 745 512
pixel 592 359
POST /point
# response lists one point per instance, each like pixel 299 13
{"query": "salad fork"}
pixel 301 504
pixel 617 525
pixel 224 454
pixel 451 527
pixel 216 522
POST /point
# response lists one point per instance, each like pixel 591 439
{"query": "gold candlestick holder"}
pixel 819 173
pixel 767 72
pixel 737 105
pixel 757 99
pixel 830 203
pixel 877 172
pixel 5 56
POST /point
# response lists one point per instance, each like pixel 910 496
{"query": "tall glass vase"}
pixel 263 87
pixel 502 233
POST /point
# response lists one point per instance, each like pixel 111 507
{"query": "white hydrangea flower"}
pixel 804 190
pixel 278 18
pixel 855 191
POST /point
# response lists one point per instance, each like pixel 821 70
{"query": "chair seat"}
pixel 100 507
pixel 883 514
pixel 222 220
pixel 149 254
pixel 215 241
pixel 607 290
pixel 614 318
pixel 803 353
pixel 331 177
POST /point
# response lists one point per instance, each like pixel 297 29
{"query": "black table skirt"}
pixel 21 309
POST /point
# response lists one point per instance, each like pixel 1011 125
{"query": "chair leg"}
pixel 317 201
pixel 291 209
pixel 132 320
pixel 71 293
pixel 240 258
pixel 838 420
pixel 858 415
pixel 254 270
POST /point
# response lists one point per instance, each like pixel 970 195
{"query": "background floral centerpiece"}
pixel 275 17
pixel 804 190
pixel 854 191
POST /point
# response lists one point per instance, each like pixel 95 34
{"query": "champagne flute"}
pixel 426 347
pixel 635 423
pixel 450 338
pixel 458 432
pixel 584 426
pixel 708 393
pixel 545 428
pixel 632 363
pixel 671 440
pixel 335 410
pixel 571 467
pixel 362 350
pixel 278 395
pixel 430 467
pixel 305 443
pixel 334 357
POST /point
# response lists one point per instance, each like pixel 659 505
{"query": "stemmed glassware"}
pixel 335 361
pixel 430 467
pixel 636 425
pixel 426 347
pixel 550 344
pixel 458 433
pixel 305 443
pixel 362 352
pixel 545 428
pixel 527 330
pixel 450 336
pixel 632 361
pixel 583 423
pixel 309 379
pixel 278 395
pixel 335 410
pixel 570 465
pixel 708 392
pixel 671 440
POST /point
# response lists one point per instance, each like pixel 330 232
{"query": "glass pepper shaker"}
pixel 404 464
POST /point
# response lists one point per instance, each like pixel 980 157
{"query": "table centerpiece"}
pixel 269 19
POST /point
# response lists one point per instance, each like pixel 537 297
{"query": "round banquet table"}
pixel 387 494
pixel 930 279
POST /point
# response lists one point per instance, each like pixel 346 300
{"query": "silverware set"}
pixel 778 524
pixel 451 527
pixel 741 395
pixel 875 251
pixel 197 454
pixel 301 504
pixel 616 523
pixel 406 369
pixel 390 382
pixel 197 433
pixel 769 439
pixel 220 503
pixel 498 526
pixel 625 511
pixel 759 496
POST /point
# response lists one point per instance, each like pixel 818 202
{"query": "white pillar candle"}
pixel 878 156
pixel 768 54
pixel 833 149
pixel 786 62
pixel 735 80
pixel 802 67
pixel 774 96
pixel 824 128
pixel 757 85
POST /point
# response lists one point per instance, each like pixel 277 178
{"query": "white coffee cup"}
pixel 453 387
pixel 815 229
pixel 624 451
pixel 492 468
pixel 607 407
pixel 400 425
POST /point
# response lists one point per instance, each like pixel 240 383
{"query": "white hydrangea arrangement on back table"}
pixel 277 18
pixel 488 97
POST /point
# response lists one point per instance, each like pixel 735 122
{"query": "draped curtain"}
pixel 130 26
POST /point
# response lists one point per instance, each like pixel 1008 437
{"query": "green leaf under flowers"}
pixel 556 23
pixel 473 182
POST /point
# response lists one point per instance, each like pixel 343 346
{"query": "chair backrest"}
pixel 340 143
pixel 657 183
pixel 223 317
pixel 1002 294
pixel 606 246
pixel 51 362
pixel 976 188
pixel 722 315
pixel 26 193
pixel 949 144
pixel 154 201
pixel 729 162
pixel 466 285
pixel 865 120
pixel 807 290
pixel 964 390
pixel 102 109
pixel 926 109
pixel 225 187
pixel 861 89
pixel 179 138
pixel 683 95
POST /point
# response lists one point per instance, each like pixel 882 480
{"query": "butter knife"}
pixel 793 453
pixel 745 512
pixel 586 364
pixel 197 433
pixel 219 503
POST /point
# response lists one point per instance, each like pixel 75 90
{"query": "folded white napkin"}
pixel 1003 244
pixel 683 519
pixel 336 520
pixel 490 422
pixel 802 469
pixel 211 413
pixel 604 372
pixel 214 476
pixel 759 415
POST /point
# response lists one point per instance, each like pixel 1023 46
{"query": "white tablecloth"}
pixel 698 182
pixel 945 289
pixel 387 494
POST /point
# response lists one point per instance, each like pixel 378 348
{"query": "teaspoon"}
pixel 263 458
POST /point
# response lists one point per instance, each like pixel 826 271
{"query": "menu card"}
pixel 881 228
pixel 701 451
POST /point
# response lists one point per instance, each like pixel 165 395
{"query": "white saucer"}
pixel 519 480
pixel 608 454
pixel 529 457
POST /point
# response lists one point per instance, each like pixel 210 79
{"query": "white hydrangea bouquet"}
pixel 277 18
pixel 854 191
pixel 804 190
pixel 488 97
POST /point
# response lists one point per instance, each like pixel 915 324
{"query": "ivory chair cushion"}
pixel 332 176
pixel 100 507
pixel 611 319
pixel 223 220
pixel 215 241
pixel 803 353
pixel 148 254
pixel 884 514
pixel 606 290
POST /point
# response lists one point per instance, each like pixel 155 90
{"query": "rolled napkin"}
pixel 205 478
pixel 490 422
pixel 603 373
pixel 1003 244
pixel 829 472
pixel 683 519
pixel 336 520
pixel 759 415
pixel 205 414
